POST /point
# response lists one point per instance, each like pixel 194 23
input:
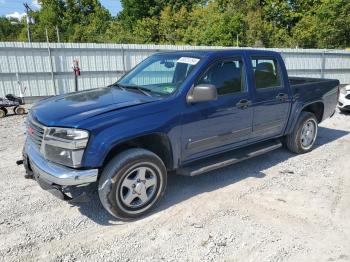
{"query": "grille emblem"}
pixel 30 131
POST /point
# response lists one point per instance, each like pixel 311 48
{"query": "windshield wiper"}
pixel 117 85
pixel 142 90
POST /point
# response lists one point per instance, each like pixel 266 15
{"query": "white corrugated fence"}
pixel 43 69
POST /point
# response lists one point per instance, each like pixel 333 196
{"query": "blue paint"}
pixel 113 115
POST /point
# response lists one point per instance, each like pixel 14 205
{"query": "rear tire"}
pixel 132 183
pixel 3 113
pixel 304 135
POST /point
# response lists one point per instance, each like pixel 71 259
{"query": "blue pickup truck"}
pixel 186 112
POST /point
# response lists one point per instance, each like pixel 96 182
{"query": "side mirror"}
pixel 202 93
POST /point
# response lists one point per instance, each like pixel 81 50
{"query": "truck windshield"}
pixel 159 74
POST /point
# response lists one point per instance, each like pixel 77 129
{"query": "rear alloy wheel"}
pixel 303 137
pixel 19 110
pixel 308 134
pixel 132 183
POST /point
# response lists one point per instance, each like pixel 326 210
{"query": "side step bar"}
pixel 228 158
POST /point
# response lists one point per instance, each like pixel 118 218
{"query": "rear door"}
pixel 271 102
pixel 210 127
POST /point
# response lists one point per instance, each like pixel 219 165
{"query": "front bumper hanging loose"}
pixel 53 177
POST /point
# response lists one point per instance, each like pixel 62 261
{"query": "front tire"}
pixel 304 135
pixel 132 183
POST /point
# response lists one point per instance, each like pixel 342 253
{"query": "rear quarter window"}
pixel 267 73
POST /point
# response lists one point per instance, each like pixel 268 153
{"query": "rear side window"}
pixel 227 76
pixel 267 72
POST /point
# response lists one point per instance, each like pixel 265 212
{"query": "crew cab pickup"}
pixel 188 112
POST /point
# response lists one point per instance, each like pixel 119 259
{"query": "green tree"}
pixel 257 31
pixel 146 30
pixel 10 29
pixel 279 13
pixel 118 33
pixel 327 25
pixel 76 20
pixel 269 23
pixel 334 24
pixel 213 25
pixel 134 10
pixel 305 32
pixel 49 16
pixel 86 20
pixel 172 25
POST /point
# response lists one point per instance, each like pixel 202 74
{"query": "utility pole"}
pixel 29 21
pixel 58 34
pixel 50 61
pixel 47 36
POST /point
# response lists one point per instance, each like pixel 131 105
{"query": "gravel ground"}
pixel 276 207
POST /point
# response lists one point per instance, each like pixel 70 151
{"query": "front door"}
pixel 271 103
pixel 214 126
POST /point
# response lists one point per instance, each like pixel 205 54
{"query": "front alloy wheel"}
pixel 132 183
pixel 138 186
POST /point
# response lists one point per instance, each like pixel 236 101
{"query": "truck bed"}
pixel 298 82
pixel 307 89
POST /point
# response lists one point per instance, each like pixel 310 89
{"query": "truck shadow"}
pixel 181 188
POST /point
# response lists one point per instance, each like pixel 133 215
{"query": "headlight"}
pixel 65 145
pixel 71 138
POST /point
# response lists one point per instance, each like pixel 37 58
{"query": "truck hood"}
pixel 68 110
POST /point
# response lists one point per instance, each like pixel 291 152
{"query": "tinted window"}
pixel 227 76
pixel 267 72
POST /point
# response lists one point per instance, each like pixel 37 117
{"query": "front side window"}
pixel 160 74
pixel 227 76
pixel 266 72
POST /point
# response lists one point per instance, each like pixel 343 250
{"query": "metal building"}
pixel 44 69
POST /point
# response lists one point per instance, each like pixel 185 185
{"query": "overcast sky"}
pixel 15 8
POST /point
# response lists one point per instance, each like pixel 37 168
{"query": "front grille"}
pixel 35 132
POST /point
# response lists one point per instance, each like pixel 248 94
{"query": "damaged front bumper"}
pixel 53 177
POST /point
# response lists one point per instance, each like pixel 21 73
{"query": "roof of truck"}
pixel 219 52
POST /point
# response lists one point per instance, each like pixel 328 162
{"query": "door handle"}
pixel 244 103
pixel 282 97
